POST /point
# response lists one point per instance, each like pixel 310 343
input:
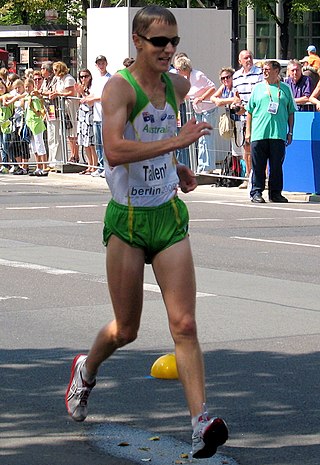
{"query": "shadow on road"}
pixel 270 401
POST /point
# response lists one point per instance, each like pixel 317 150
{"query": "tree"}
pixel 292 12
pixel 32 12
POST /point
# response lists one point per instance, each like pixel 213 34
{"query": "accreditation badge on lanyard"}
pixel 273 106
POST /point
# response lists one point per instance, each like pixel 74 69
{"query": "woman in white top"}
pixel 227 96
pixel 200 91
pixel 65 87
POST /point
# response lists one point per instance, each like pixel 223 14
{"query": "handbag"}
pixel 226 126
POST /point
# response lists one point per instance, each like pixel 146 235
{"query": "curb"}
pixel 205 183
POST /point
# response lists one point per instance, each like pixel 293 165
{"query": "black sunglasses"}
pixel 161 41
pixel 84 76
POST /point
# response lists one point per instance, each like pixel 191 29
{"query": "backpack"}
pixel 226 126
pixel 231 166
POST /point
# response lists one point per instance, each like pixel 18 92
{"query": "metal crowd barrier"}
pixel 13 148
pixel 63 159
pixel 221 146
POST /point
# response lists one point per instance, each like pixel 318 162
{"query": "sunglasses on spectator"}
pixel 225 77
pixel 84 76
pixel 37 79
pixel 161 41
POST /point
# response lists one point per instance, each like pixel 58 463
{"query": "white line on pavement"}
pixel 33 266
pixel 76 206
pixel 205 220
pixel 8 297
pixel 264 206
pixel 156 288
pixel 57 271
pixel 254 219
pixel 89 222
pixel 300 244
pixel 26 208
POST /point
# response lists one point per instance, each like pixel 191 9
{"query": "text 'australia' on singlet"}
pixel 154 181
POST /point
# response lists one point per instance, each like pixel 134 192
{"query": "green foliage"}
pixel 293 6
pixel 32 12
pixel 292 12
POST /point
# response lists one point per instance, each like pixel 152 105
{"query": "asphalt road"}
pixel 258 313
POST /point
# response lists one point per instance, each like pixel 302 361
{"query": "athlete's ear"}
pixel 137 41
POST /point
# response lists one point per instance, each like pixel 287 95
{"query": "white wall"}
pixel 205 37
pixel 108 35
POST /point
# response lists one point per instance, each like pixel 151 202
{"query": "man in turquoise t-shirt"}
pixel 270 123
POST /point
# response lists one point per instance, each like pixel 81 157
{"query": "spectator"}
pixel 147 222
pixel 201 90
pixel 6 112
pixel 270 123
pixel 19 148
pixel 94 98
pixel 312 75
pixel 300 85
pixel 10 80
pixel 314 97
pixel 313 59
pixel 177 56
pixel 28 73
pixel 85 121
pixel 51 106
pixel 182 155
pixel 305 61
pixel 244 81
pixel 34 121
pixel 65 87
pixel 37 79
pixel 4 74
pixel 128 62
pixel 226 96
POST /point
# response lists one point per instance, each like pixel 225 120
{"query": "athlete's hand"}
pixel 192 131
pixel 187 178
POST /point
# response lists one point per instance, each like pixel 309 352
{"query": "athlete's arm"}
pixel 117 101
pixel 187 178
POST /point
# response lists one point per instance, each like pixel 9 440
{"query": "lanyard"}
pixel 269 93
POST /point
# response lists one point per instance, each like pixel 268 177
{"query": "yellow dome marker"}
pixel 165 367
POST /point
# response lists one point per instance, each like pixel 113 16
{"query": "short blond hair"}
pixel 60 67
pixel 183 64
pixel 227 69
pixel 17 82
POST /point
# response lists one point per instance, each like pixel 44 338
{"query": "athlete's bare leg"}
pixel 175 274
pixel 125 266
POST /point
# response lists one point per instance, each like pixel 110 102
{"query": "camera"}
pixel 235 109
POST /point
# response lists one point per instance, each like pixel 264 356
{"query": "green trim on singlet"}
pixel 142 99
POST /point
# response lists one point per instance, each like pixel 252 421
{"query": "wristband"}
pixel 290 133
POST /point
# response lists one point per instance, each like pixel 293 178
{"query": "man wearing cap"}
pixel 94 98
pixel 313 59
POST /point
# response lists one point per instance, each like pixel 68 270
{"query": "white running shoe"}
pixel 208 434
pixel 96 173
pixel 78 391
